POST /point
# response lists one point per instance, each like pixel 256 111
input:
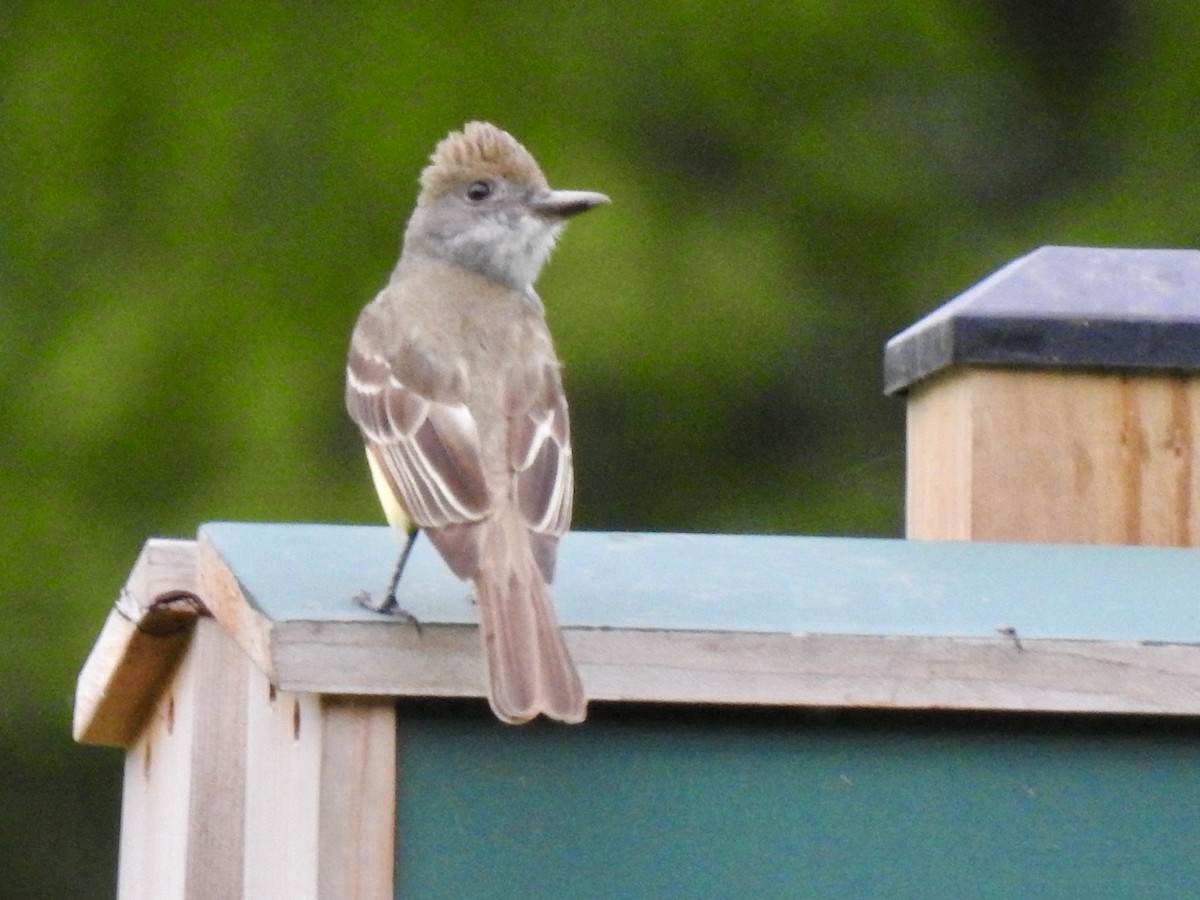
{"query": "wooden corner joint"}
pixel 144 636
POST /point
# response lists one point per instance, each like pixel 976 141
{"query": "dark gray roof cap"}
pixel 1063 307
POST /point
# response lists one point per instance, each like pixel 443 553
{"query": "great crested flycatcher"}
pixel 453 379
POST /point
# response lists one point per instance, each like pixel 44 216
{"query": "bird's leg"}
pixel 388 604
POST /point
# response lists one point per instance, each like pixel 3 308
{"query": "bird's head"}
pixel 486 206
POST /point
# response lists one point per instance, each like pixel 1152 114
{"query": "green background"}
pixel 195 201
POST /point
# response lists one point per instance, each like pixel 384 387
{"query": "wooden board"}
pixel 1055 456
pixel 739 620
pixel 320 795
pixel 236 789
pixel 184 785
pixel 142 641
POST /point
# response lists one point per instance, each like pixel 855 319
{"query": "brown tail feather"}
pixel 530 671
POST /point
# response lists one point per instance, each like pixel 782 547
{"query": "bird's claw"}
pixel 386 605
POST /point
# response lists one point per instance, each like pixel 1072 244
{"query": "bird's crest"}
pixel 479 151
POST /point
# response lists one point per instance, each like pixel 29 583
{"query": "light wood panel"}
pixel 1081 457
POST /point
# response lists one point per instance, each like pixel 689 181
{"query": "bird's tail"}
pixel 529 668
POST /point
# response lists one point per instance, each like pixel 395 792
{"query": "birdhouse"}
pixel 1005 703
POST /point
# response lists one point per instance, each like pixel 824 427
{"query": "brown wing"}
pixel 422 435
pixel 540 457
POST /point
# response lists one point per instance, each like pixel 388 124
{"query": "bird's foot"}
pixel 386 605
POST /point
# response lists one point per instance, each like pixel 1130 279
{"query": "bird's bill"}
pixel 564 204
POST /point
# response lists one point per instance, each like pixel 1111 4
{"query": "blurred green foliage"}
pixel 195 201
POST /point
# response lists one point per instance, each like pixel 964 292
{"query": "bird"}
pixel 455 385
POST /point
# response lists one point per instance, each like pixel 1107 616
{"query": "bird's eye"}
pixel 479 190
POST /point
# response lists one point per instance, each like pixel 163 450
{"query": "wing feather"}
pixel 540 456
pixel 430 449
pixel 411 404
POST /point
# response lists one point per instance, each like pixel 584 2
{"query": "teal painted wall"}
pixel 655 802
